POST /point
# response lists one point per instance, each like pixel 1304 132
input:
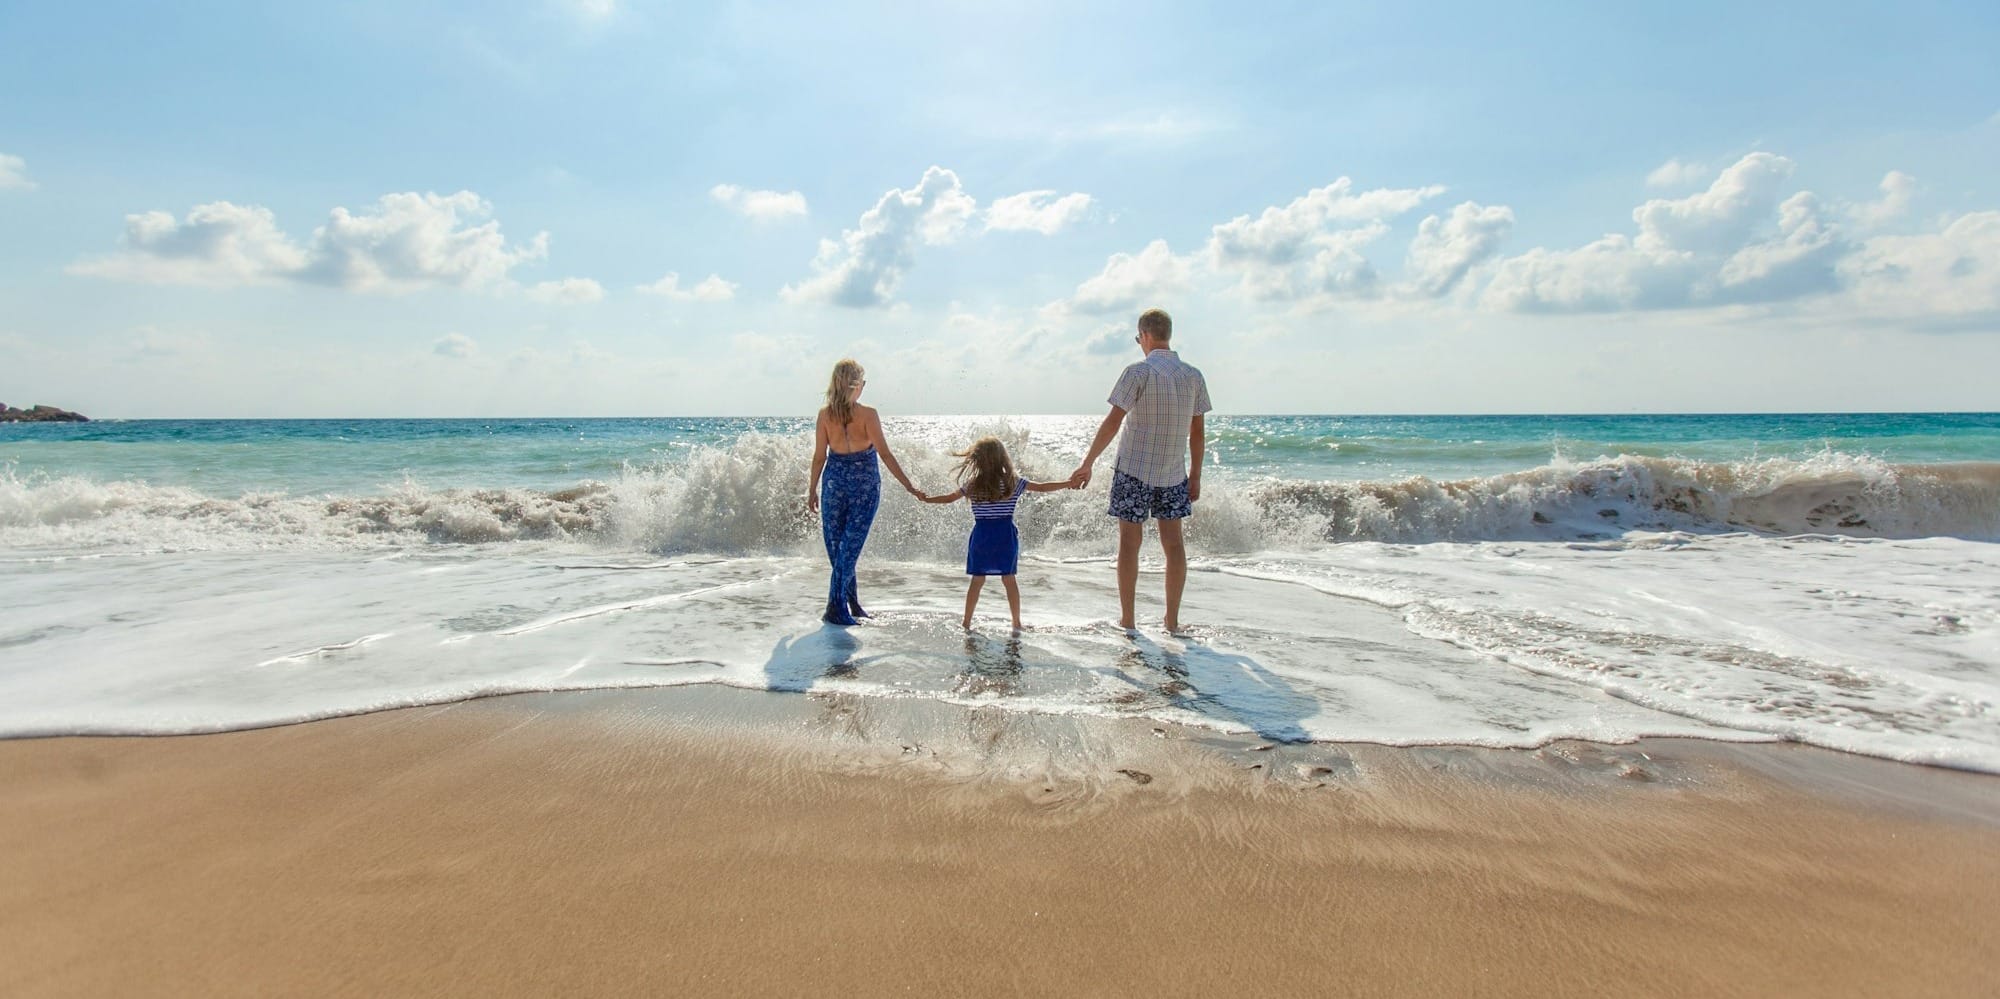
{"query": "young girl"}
pixel 986 477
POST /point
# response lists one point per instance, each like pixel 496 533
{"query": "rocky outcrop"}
pixel 39 414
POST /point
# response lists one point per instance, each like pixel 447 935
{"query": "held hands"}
pixel 1080 478
pixel 924 497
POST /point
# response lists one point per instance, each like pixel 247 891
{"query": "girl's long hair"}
pixel 985 471
pixel 839 391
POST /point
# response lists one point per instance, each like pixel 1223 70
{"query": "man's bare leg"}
pixel 1176 553
pixel 1129 536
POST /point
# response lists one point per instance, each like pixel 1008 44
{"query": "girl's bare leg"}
pixel 972 599
pixel 1013 599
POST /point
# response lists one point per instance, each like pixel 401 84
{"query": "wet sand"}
pixel 707 841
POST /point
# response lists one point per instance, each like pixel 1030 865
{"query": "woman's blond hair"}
pixel 840 391
pixel 985 471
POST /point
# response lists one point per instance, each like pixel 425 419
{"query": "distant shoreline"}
pixel 39 414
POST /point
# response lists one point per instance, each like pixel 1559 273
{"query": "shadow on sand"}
pixel 797 661
pixel 1229 687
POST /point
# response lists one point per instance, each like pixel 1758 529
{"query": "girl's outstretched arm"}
pixel 1049 487
pixel 951 497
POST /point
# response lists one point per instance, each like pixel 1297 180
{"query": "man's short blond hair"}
pixel 1157 323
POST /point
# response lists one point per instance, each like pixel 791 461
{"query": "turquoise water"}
pixel 228 458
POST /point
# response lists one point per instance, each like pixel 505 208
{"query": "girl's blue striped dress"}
pixel 995 546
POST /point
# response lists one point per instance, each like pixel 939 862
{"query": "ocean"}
pixel 1495 581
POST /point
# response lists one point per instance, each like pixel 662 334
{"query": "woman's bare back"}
pixel 841 439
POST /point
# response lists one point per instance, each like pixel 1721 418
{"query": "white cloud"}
pixel 1719 217
pixel 1676 174
pixel 864 266
pixel 1703 249
pixel 1606 275
pixel 710 289
pixel 456 345
pixel 1952 272
pixel 217 245
pixel 1446 249
pixel 403 243
pixel 1039 211
pixel 1897 189
pixel 1312 245
pixel 14 174
pixel 1111 338
pixel 568 291
pixel 411 241
pixel 1800 261
pixel 1128 280
pixel 764 206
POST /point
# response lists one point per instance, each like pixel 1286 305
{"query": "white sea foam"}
pixel 1889 648
pixel 748 498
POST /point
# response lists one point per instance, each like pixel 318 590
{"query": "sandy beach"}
pixel 715 841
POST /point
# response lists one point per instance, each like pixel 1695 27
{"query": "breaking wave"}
pixel 748 497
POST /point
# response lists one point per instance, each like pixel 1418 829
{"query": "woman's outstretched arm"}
pixel 881 441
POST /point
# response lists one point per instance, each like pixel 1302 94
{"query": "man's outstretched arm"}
pixel 1106 433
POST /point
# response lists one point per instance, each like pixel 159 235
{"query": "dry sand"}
pixel 695 842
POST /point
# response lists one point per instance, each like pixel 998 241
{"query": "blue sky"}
pixel 441 209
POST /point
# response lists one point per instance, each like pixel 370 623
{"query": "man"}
pixel 1165 400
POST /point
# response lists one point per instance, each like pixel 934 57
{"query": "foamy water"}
pixel 1811 592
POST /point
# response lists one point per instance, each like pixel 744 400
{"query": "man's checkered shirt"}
pixel 1160 397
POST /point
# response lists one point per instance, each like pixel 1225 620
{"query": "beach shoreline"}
pixel 712 840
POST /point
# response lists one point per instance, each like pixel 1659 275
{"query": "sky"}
pixel 631 208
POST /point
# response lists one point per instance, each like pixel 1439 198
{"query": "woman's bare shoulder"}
pixel 865 412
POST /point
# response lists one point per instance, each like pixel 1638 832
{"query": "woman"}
pixel 846 438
